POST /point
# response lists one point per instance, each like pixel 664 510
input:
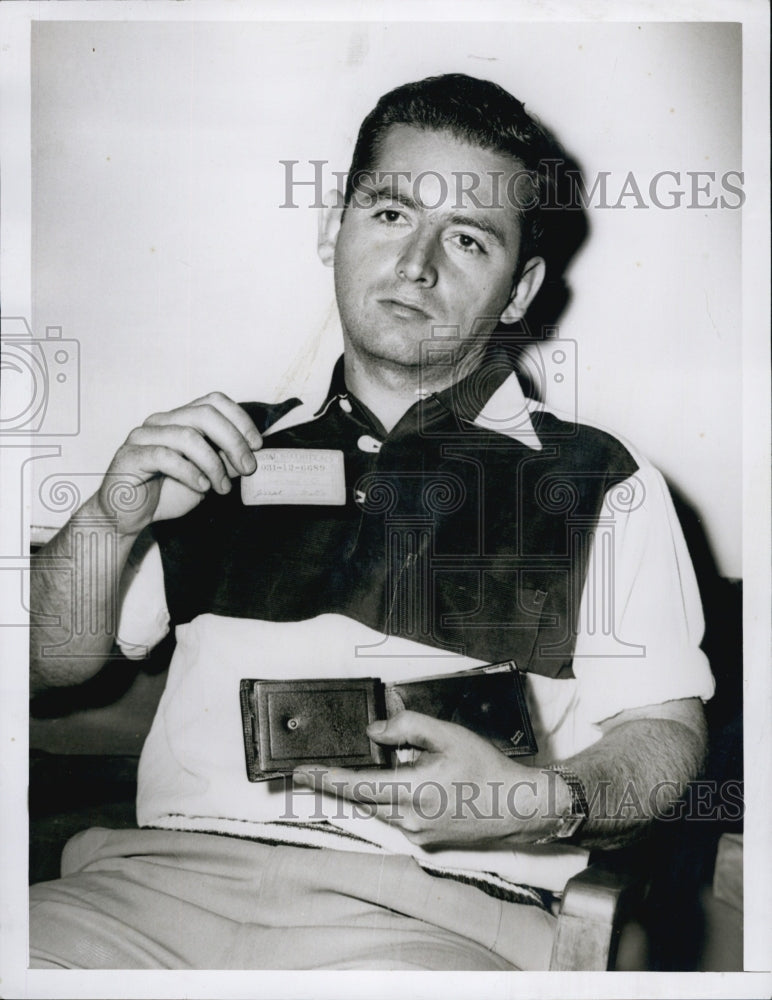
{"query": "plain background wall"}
pixel 159 244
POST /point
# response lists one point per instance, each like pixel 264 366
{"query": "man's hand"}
pixel 166 466
pixel 162 471
pixel 460 790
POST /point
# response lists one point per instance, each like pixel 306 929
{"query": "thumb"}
pixel 422 731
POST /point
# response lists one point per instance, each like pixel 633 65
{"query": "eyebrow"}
pixel 385 192
pixel 481 224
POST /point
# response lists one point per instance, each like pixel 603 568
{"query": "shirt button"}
pixel 344 405
pixel 367 443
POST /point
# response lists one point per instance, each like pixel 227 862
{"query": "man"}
pixel 467 526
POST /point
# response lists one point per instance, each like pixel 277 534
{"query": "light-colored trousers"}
pixel 155 899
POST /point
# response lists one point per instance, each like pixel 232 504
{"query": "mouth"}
pixel 405 309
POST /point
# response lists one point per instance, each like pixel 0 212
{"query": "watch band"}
pixel 569 823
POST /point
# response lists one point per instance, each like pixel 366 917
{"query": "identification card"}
pixel 296 476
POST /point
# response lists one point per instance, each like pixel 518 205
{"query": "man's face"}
pixel 426 245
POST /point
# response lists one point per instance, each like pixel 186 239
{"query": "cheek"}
pixel 350 254
pixel 498 294
pixel 353 278
pixel 359 267
pixel 478 295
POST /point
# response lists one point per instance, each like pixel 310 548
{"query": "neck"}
pixel 389 394
pixel 389 389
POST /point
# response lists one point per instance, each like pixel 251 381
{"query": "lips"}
pixel 405 308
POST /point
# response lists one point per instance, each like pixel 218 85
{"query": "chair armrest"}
pixel 594 904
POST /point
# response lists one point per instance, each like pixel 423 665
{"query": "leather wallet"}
pixel 287 724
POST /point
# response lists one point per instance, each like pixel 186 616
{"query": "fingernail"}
pixel 375 728
pixel 203 482
pixel 225 485
pixel 254 440
pixel 249 463
pixel 301 778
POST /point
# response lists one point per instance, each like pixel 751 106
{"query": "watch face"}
pixel 570 822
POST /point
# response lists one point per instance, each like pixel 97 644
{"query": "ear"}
pixel 329 226
pixel 525 290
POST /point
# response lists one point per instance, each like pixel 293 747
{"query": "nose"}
pixel 416 263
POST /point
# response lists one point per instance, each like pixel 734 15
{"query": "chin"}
pixel 392 348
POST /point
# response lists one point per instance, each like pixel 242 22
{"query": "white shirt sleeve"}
pixel 640 617
pixel 143 617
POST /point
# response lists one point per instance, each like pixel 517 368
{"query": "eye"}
pixel 468 243
pixel 389 216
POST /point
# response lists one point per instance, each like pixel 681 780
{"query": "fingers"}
pixel 378 793
pixel 230 470
pixel 236 414
pixel 368 786
pixel 421 731
pixel 213 433
pixel 179 456
pixel 226 427
pixel 401 799
pixel 160 459
pixel 150 447
pixel 451 795
pixel 413 728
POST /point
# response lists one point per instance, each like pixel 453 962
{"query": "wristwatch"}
pixel 572 820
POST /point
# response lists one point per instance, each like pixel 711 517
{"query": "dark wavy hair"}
pixel 482 114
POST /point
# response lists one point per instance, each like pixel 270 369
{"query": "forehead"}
pixel 441 170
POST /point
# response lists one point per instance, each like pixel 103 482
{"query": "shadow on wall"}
pixel 565 229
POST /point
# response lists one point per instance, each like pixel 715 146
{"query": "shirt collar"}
pixel 507 411
pixel 337 388
pixel 491 397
